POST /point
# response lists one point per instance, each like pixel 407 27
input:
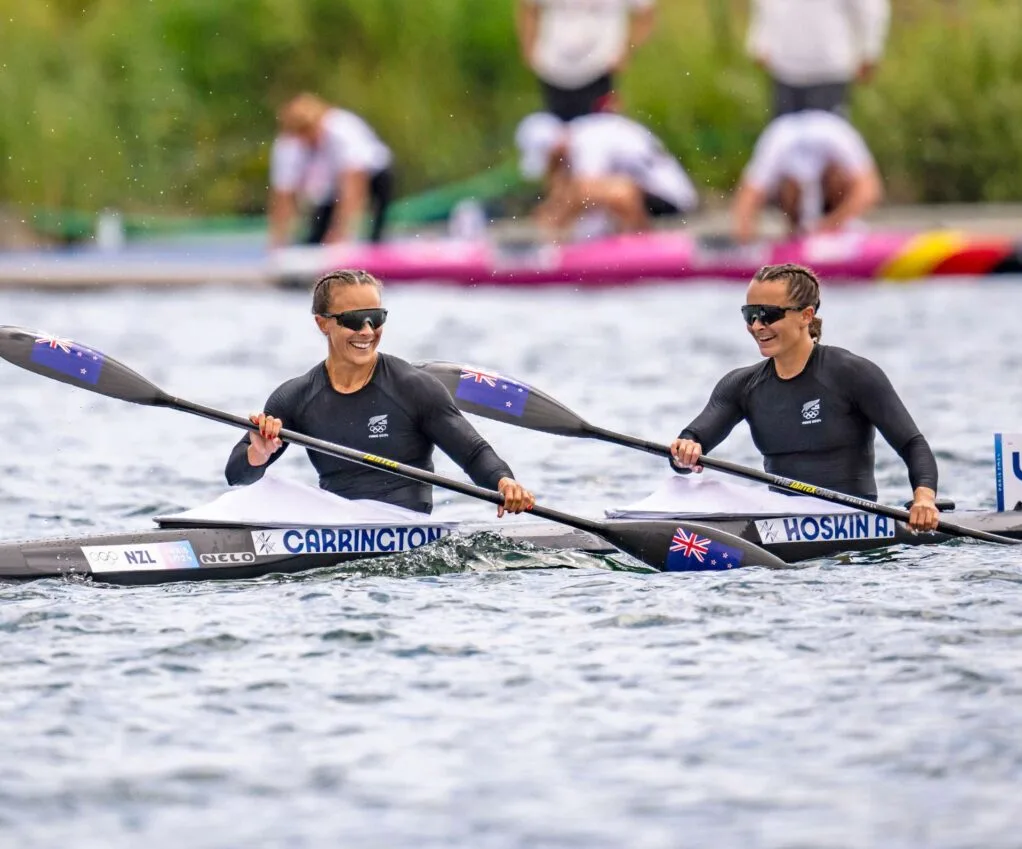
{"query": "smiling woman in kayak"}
pixel 374 403
pixel 813 409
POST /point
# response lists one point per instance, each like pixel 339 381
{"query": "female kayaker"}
pixel 373 402
pixel 813 409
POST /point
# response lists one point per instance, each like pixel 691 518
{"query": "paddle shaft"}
pixel 374 461
pixel 794 486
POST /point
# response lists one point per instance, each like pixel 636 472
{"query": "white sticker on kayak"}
pixel 843 526
pixel 386 540
pixel 840 246
pixel 147 557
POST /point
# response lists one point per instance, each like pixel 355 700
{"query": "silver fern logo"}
pixel 378 427
pixel 811 411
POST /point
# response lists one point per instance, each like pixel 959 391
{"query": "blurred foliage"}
pixel 168 105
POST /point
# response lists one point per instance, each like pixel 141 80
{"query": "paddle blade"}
pixel 687 546
pixel 493 396
pixel 75 364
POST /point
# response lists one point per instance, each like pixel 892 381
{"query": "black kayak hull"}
pixel 795 539
pixel 217 553
pixel 220 553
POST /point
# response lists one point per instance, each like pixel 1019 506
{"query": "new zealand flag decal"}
pixel 493 391
pixel 692 553
pixel 66 357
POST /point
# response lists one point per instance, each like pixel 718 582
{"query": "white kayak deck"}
pixel 275 502
pixel 708 494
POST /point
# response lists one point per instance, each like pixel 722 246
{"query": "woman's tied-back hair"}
pixel 803 289
pixel 323 291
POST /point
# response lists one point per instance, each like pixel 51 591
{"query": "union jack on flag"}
pixel 491 390
pixel 691 545
pixel 479 376
pixel 54 342
pixel 690 552
pixel 66 357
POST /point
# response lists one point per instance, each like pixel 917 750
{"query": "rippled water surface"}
pixel 442 700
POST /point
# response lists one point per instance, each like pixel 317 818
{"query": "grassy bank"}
pixel 167 105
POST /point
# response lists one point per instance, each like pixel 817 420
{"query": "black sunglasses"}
pixel 767 313
pixel 356 319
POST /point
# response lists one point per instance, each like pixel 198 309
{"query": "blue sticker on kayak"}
pixel 68 358
pixel 493 391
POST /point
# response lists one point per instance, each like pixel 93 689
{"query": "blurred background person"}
pixel 331 160
pixel 601 162
pixel 814 49
pixel 576 47
pixel 816 167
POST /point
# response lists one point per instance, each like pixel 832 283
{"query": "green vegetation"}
pixel 167 106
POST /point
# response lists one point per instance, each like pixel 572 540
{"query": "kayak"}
pixel 189 554
pixel 272 526
pixel 851 257
pixel 279 526
pixel 854 255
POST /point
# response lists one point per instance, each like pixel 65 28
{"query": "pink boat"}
pixel 850 256
pixel 857 256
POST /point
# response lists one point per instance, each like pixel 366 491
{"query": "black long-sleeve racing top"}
pixel 401 414
pixel 819 426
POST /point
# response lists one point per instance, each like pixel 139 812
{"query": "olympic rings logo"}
pixel 103 555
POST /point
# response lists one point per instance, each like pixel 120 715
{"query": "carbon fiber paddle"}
pixel 667 546
pixel 504 399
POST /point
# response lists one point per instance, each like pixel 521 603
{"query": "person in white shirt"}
pixel 575 47
pixel 816 167
pixel 602 162
pixel 332 161
pixel 814 49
